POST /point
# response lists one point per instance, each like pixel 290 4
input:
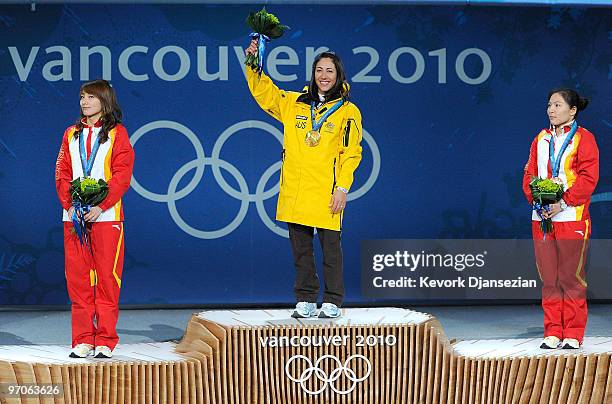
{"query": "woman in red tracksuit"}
pixel 568 154
pixel 97 146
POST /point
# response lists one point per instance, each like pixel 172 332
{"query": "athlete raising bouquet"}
pixel 321 151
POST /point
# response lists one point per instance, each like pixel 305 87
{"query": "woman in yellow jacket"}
pixel 321 151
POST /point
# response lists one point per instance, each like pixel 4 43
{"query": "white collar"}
pixel 553 130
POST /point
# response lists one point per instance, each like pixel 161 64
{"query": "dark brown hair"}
pixel 111 112
pixel 572 98
pixel 340 88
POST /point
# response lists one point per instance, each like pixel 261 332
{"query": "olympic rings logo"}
pixel 243 194
pixel 329 380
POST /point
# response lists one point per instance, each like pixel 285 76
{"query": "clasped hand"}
pixel 552 210
pixel 91 216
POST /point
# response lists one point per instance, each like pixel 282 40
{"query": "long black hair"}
pixel 572 98
pixel 340 88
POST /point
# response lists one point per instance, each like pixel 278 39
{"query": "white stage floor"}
pixel 161 352
pixel 367 316
pixel 58 354
pixel 514 348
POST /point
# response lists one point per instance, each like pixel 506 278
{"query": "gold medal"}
pixel 312 139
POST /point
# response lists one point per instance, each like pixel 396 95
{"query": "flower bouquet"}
pixel 265 27
pixel 85 193
pixel 545 192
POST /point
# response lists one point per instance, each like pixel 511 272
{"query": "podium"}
pixel 367 355
pixel 372 355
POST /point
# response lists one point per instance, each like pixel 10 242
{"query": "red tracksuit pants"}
pixel 560 259
pixel 94 281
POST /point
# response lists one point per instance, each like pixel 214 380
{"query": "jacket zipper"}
pixel 282 166
pixel 334 184
pixel 347 133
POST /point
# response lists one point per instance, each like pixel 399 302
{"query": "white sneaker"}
pixel 103 352
pixel 550 342
pixel 304 310
pixel 570 343
pixel 81 351
pixel 329 310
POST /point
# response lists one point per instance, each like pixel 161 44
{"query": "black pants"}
pixel 306 280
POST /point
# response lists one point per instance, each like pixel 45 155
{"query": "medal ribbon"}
pixel 78 220
pixel 555 163
pixel 87 163
pixel 316 125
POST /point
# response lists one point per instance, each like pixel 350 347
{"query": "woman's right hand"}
pixel 552 210
pixel 252 49
pixel 70 212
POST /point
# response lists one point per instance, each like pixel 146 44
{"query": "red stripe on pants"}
pixel 561 259
pixel 102 301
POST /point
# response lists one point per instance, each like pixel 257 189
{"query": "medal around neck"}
pixel 313 138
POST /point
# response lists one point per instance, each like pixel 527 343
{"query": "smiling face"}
pixel 325 75
pixel 559 111
pixel 90 105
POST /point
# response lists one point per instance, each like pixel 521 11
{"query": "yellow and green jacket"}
pixel 310 175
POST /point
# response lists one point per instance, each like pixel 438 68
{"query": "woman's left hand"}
pixel 338 202
pixel 93 214
pixel 553 209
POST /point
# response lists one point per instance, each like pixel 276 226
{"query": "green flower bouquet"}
pixel 545 192
pixel 265 26
pixel 88 191
pixel 85 193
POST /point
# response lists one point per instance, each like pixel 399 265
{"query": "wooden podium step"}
pixel 137 373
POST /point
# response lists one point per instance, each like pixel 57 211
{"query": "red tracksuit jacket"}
pixel 579 171
pixel 114 163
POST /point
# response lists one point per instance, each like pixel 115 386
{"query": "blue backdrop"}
pixel 451 99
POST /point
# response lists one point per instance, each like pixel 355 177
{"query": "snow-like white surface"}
pixel 356 316
pixel 58 354
pixel 513 348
